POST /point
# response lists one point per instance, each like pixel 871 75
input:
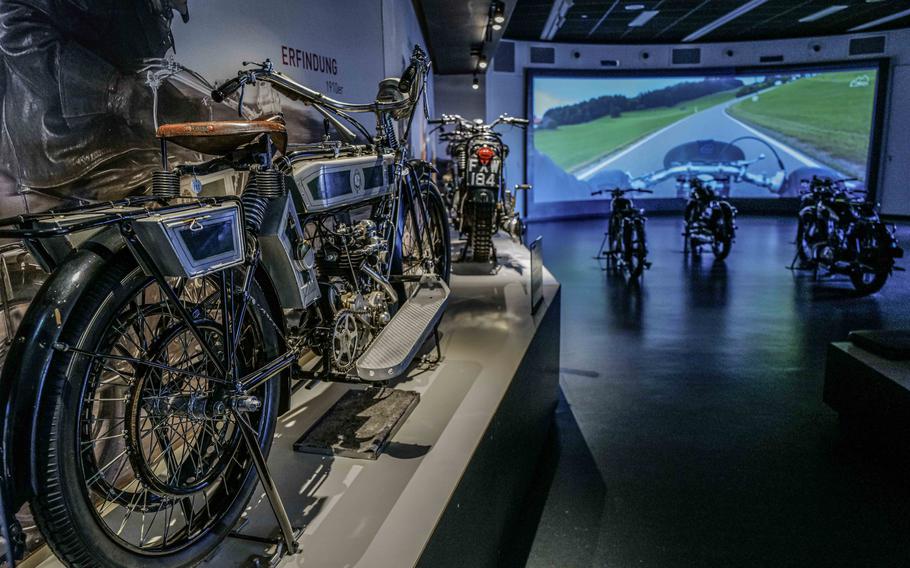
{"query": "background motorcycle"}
pixel 479 201
pixel 709 221
pixel 624 244
pixel 844 235
pixel 141 393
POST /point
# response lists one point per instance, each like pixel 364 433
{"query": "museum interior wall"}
pixel 96 93
pixel 505 88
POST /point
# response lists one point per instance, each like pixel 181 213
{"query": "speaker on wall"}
pixel 504 60
pixel 543 55
pixel 867 45
pixel 686 56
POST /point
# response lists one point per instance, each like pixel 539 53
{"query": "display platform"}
pixel 871 393
pixel 455 475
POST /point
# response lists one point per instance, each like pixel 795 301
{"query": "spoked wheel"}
pixel 634 249
pixel 723 239
pixel 425 240
pixel 141 459
pixel 867 279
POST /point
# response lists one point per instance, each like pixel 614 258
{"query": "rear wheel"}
pixel 139 462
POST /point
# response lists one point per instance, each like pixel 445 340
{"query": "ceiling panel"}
pixel 607 21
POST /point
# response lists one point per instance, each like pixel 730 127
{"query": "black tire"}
pixel 439 230
pixel 723 235
pixel 866 283
pixel 67 503
pixel 864 239
pixel 634 248
pixel 804 229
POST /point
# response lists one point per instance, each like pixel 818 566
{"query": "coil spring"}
pixel 165 184
pixel 389 128
pixel 262 187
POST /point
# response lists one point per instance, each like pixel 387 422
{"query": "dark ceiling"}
pixel 453 28
pixel 607 21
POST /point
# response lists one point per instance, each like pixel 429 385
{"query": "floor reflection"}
pixel 699 399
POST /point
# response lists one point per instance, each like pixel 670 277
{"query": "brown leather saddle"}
pixel 222 137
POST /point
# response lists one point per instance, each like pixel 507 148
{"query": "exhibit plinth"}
pixel 452 479
pixel 871 393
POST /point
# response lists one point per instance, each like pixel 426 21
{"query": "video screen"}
pixel 747 135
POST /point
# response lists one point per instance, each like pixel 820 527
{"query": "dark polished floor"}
pixel 692 431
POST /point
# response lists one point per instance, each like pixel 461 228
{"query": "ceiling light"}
pixel 635 7
pixel 822 13
pixel 482 61
pixel 476 84
pixel 643 18
pixel 496 26
pixel 880 21
pixel 747 7
pixel 499 12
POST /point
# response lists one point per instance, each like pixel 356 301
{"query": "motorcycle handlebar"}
pixel 229 87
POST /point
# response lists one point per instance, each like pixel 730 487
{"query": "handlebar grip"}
pixel 598 192
pixel 434 120
pixel 521 121
pixel 646 191
pixel 407 78
pixel 227 89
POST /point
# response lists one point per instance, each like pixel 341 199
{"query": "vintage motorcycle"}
pixel 844 235
pixel 624 245
pixel 479 201
pixel 709 221
pixel 141 391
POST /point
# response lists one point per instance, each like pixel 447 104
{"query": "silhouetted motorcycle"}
pixel 844 235
pixel 480 203
pixel 140 395
pixel 624 245
pixel 710 221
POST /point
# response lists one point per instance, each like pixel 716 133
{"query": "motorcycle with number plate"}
pixel 479 201
pixel 710 220
pixel 844 234
pixel 141 391
pixel 624 245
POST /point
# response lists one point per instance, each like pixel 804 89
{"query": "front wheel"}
pixel 868 282
pixel 723 236
pixel 805 234
pixel 634 249
pixel 139 461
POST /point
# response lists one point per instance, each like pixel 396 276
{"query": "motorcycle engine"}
pixel 359 297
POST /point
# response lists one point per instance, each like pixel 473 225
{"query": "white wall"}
pixel 505 92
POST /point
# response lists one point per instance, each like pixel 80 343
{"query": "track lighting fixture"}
pixel 482 61
pixel 476 83
pixel 499 13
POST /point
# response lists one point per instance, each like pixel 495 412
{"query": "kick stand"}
pixel 288 537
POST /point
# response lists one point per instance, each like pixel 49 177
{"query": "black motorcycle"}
pixel 480 203
pixel 844 235
pixel 140 394
pixel 624 245
pixel 710 221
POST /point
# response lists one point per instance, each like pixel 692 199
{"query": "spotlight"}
pixel 476 84
pixel 496 26
pixel 482 61
pixel 499 13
